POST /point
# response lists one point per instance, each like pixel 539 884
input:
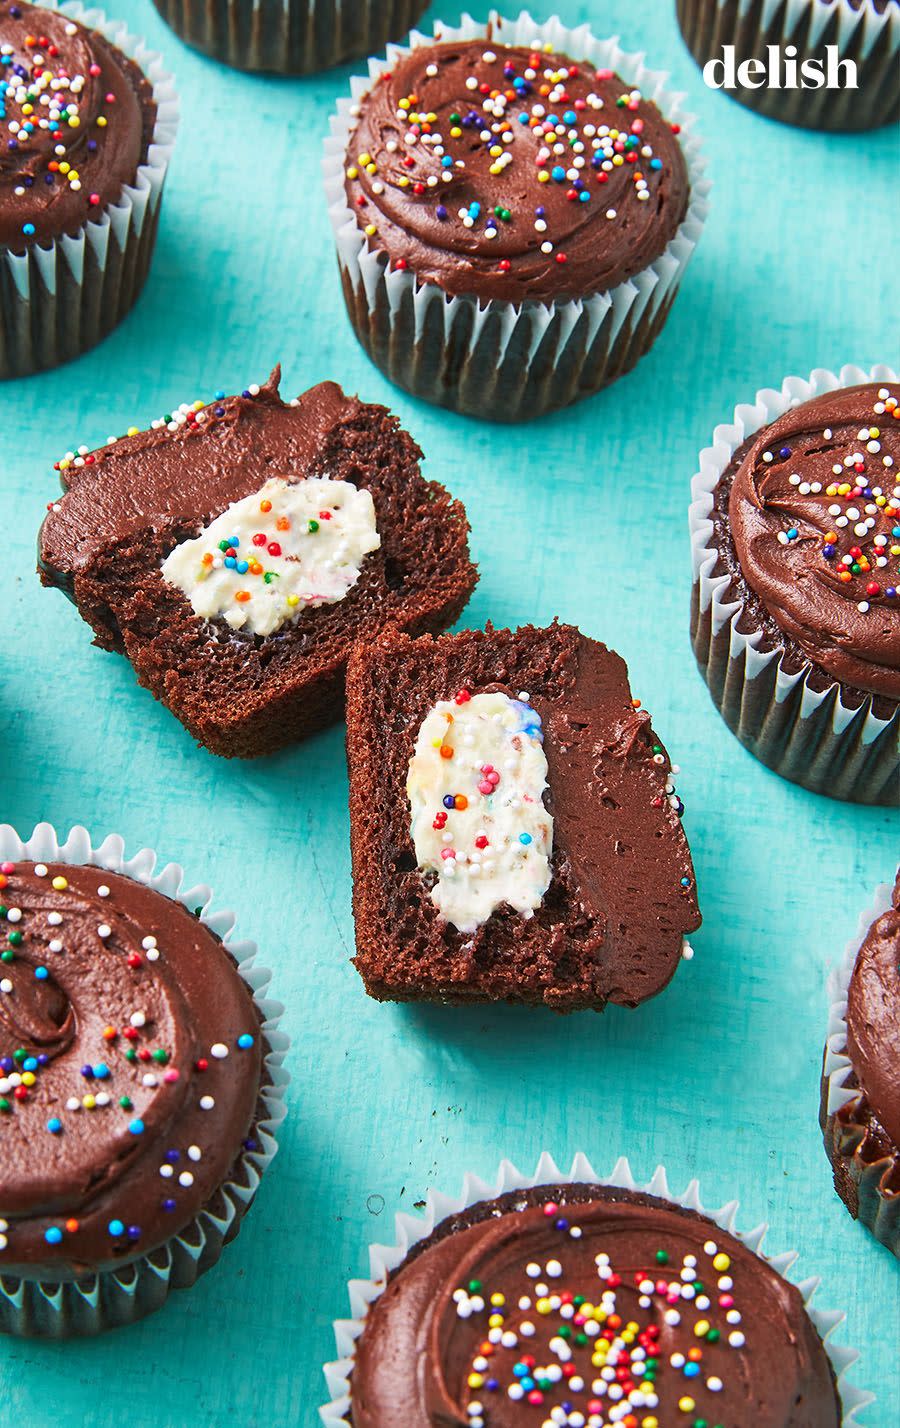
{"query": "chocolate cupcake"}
pixel 820 64
pixel 514 206
pixel 860 1105
pixel 236 551
pixel 514 824
pixel 795 528
pixel 584 1303
pixel 140 1084
pixel 80 186
pixel 289 36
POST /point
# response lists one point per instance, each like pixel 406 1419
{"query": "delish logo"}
pixel 780 70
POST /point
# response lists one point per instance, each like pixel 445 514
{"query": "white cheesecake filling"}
pixel 270 556
pixel 475 787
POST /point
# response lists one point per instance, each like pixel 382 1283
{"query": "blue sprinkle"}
pixel 656 163
pixel 115 1228
pixel 54 1125
pixel 53 1235
pixel 570 117
pixel 230 563
pixel 245 1041
pixel 101 1071
pixel 446 162
pixel 584 197
pixel 219 397
pixel 242 567
pixel 691 1370
pixel 558 173
pixel 525 838
pixel 136 1127
pixel 30 1063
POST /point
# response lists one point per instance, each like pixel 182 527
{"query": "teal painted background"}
pixel 582 516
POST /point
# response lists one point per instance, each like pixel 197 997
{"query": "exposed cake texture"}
pixel 621 895
pixel 128 505
pixel 130 1069
pixel 579 1304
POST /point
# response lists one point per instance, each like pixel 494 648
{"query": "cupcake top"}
pixel 76 118
pixel 813 505
pixel 504 172
pixel 130 1063
pixel 873 1031
pixel 579 1304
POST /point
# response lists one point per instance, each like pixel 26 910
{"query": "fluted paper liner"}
pixel 816 738
pixel 862 1178
pixel 59 299
pixel 111 1298
pixel 411 1229
pixel 871 40
pixel 289 36
pixel 497 359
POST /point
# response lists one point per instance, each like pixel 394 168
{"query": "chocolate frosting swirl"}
pixel 127 1080
pixel 501 172
pixel 814 512
pixel 567 1294
pixel 873 1033
pixel 77 117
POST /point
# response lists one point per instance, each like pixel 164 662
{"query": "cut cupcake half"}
pixel 236 551
pixel 515 829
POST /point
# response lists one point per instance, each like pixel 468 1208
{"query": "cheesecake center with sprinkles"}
pixel 476 786
pixel 513 172
pixel 128 1077
pixel 814 511
pixel 75 121
pixel 271 555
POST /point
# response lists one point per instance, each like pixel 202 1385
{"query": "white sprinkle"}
pixel 219 1050
pixel 206 1103
pixel 138 1019
pixel 103 890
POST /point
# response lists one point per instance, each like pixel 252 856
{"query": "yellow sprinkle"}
pixel 455 133
pixel 475 1380
pixel 618 160
pixel 687 1405
pixel 101 122
pixel 498 1300
pixel 404 104
pixel 132 431
pixel 28 1078
pixel 60 884
pixel 495 150
pixel 543 176
pixel 721 1262
pixel 352 172
pixel 64 168
pixel 364 159
pixel 88 1102
pixel 370 230
pixel 75 122
pixel 293 600
pixel 701 1328
pixel 27 108
pixel 874 433
pixel 371 168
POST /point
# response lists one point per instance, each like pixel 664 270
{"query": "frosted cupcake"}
pixel 514 205
pixel 88 122
pixel 140 1085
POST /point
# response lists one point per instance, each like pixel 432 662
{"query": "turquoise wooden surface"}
pixel 582 516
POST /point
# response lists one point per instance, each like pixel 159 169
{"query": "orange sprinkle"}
pixel 72 1226
pixel 242 595
pixel 282 524
pixel 446 751
pixel 109 1033
pixel 265 505
pixel 460 802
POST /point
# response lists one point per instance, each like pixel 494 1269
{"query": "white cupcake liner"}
pixel 410 1230
pixel 497 359
pixel 61 298
pixel 871 40
pixel 862 1178
pixel 289 36
pixel 109 1299
pixel 812 737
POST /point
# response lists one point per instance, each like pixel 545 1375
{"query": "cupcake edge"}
pixel 411 1229
pixel 604 333
pixel 811 737
pixel 752 25
pixel 879 1214
pixel 109 1299
pixel 296 37
pixel 49 320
